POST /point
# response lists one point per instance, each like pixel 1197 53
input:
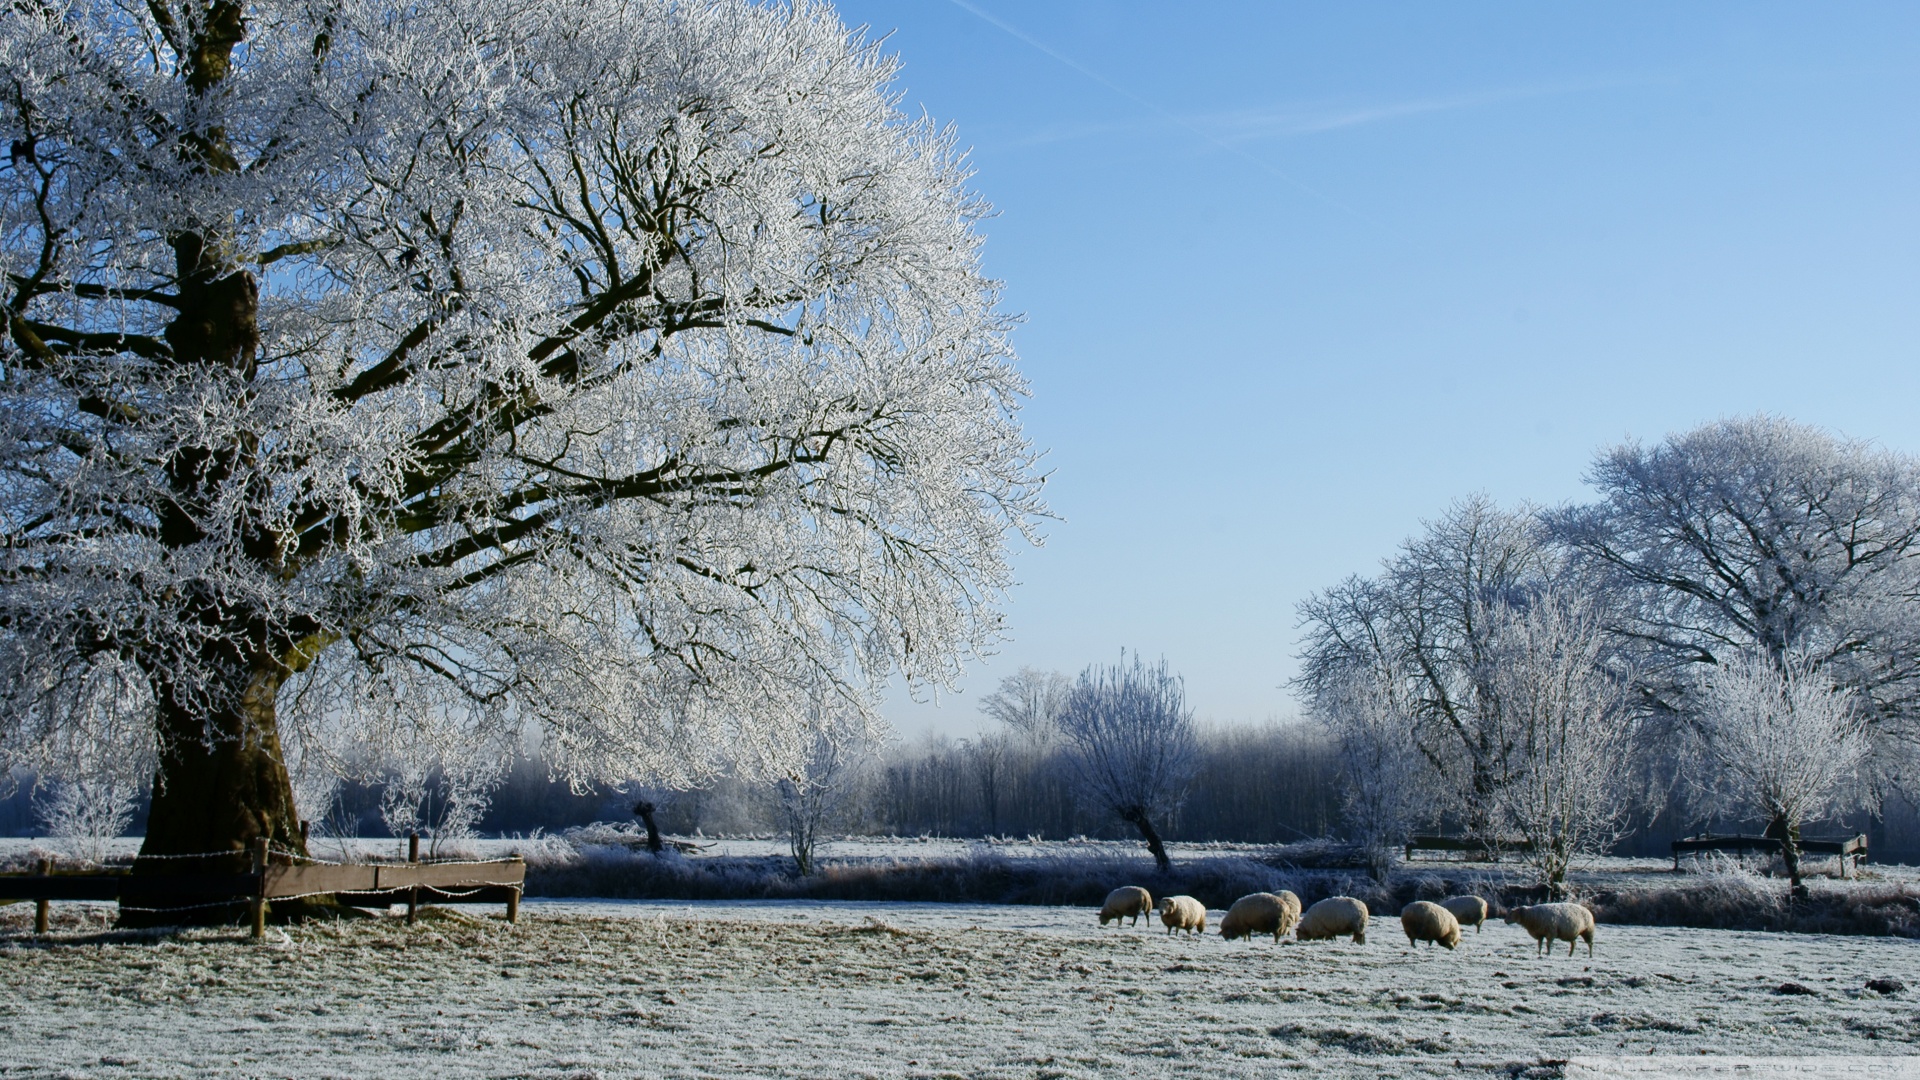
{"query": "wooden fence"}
pixel 282 876
pixel 1473 847
pixel 1846 847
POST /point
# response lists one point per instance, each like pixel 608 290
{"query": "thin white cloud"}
pixel 1230 130
pixel 1263 166
pixel 1293 119
pixel 1282 120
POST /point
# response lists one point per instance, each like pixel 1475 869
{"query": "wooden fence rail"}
pixel 1846 847
pixel 353 884
pixel 1471 846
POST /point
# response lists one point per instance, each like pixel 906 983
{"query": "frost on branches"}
pixel 1759 535
pixel 1780 742
pixel 1130 738
pixel 407 376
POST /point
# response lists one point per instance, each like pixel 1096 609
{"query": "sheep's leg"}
pixel 1589 936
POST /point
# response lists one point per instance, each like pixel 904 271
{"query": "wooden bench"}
pixel 1845 847
pixel 1471 846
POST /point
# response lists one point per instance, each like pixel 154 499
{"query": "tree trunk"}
pixel 1482 823
pixel 1137 817
pixel 1789 836
pixel 1557 854
pixel 644 811
pixel 222 783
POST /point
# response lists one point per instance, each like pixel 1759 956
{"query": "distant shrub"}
pixel 1322 855
pixel 982 878
pixel 1723 904
pixel 1727 897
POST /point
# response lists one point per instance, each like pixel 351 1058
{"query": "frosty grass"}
pixel 854 990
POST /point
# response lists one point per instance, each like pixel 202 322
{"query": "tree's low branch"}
pixel 63 341
pixel 86 290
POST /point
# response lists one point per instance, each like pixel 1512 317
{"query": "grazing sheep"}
pixel 1183 913
pixel 1425 921
pixel 1124 901
pixel 1332 917
pixel 1470 910
pixel 1549 923
pixel 1261 913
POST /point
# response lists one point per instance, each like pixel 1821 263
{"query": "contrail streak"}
pixel 1016 32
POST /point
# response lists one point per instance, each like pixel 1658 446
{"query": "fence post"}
pixel 513 895
pixel 40 914
pixel 413 894
pixel 259 860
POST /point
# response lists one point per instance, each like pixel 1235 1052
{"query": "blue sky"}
pixel 1296 276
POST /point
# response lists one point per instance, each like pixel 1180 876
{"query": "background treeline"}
pixel 1266 783
pixel 1274 782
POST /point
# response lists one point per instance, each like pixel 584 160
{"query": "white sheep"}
pixel 1293 904
pixel 1424 921
pixel 1182 913
pixel 1124 901
pixel 1332 917
pixel 1549 923
pixel 1261 913
pixel 1470 910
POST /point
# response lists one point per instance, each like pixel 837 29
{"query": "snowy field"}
pixel 600 989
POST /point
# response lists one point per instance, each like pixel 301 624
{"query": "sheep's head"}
pixel 1512 914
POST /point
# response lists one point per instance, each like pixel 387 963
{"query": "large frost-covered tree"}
pixel 620 369
pixel 1766 537
pixel 1430 622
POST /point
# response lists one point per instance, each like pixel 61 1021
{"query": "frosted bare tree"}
pixel 621 369
pixel 97 768
pixel 1780 741
pixel 1430 619
pixel 992 756
pixel 441 801
pixel 1564 708
pixel 1759 535
pixel 1029 702
pixel 1130 737
pixel 836 746
pixel 1387 784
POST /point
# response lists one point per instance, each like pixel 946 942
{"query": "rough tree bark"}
pixel 1137 817
pixel 1788 834
pixel 222 781
pixel 644 811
